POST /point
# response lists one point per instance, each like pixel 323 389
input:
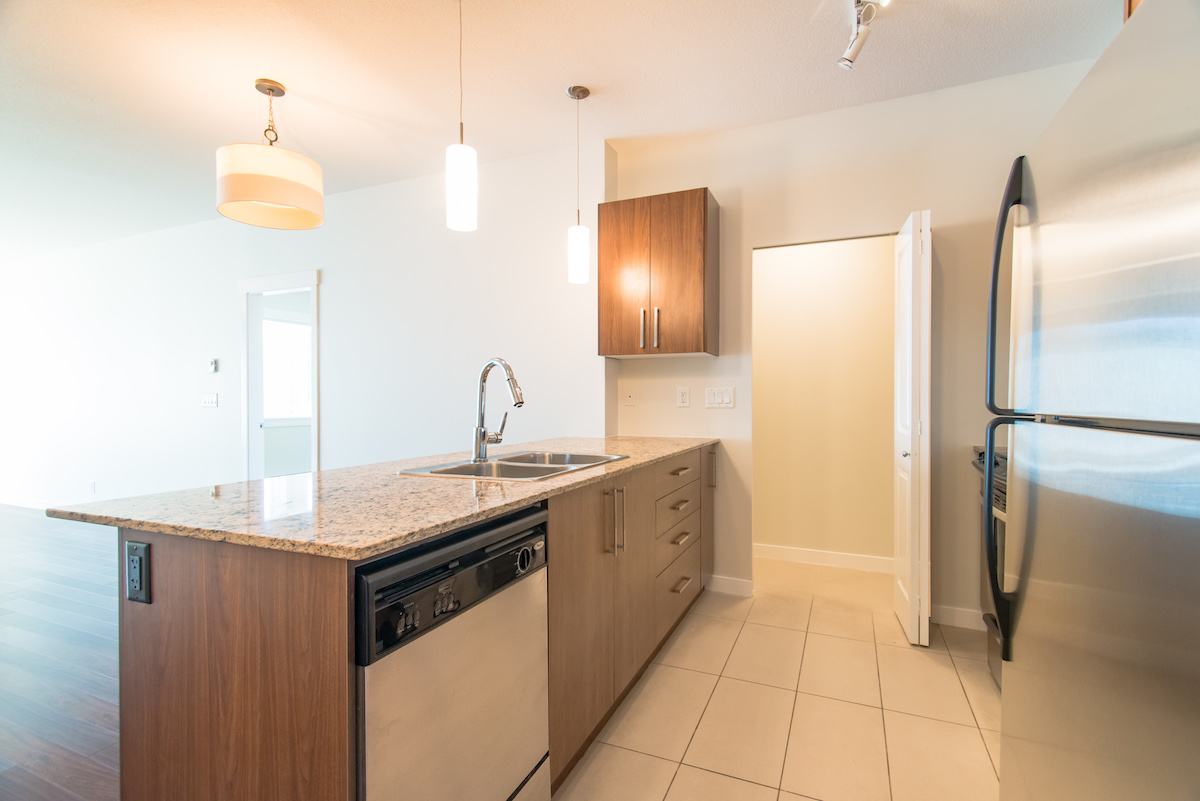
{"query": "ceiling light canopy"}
pixel 267 185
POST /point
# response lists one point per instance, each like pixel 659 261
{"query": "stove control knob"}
pixel 524 560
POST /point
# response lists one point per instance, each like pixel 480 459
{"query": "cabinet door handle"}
pixel 680 471
pixel 656 326
pixel 679 506
pixel 682 538
pixel 713 473
pixel 683 585
pixel 621 518
pixel 642 328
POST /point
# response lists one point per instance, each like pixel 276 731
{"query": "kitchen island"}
pixel 238 678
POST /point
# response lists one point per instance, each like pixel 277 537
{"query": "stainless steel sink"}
pixel 527 466
pixel 549 458
pixel 490 470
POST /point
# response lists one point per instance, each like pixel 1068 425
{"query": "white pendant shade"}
pixel 462 188
pixel 269 186
pixel 578 254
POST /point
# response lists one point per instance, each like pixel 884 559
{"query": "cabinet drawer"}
pixel 675 589
pixel 677 540
pixel 676 472
pixel 669 511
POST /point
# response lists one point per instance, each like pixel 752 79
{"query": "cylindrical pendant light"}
pixel 462 167
pixel 578 240
pixel 266 185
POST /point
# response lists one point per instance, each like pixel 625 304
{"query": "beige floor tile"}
pixel 839 668
pixel 693 784
pixel 992 740
pixel 767 655
pixel 608 773
pixel 786 796
pixel 661 713
pixel 783 611
pixel 855 587
pixel 966 642
pixel 700 643
pixel 931 760
pixel 982 692
pixel 723 605
pixel 922 682
pixel 743 732
pixel 839 619
pixel 836 751
pixel 889 632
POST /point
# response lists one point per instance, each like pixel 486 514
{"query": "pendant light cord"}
pixel 460 74
pixel 577 161
pixel 270 134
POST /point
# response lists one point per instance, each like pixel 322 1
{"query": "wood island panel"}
pixel 237 680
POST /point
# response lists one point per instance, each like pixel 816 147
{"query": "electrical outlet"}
pixel 718 398
pixel 683 397
pixel 209 400
pixel 137 572
pixel 629 399
pixel 212 365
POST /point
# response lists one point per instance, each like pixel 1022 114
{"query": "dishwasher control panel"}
pixel 399 603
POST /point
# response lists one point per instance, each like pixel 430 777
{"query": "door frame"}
pixel 307 279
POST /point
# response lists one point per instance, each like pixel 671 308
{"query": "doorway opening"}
pixel 280 402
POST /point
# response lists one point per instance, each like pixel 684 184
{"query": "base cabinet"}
pixel 624 565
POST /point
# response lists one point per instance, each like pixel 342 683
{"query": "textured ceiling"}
pixel 110 110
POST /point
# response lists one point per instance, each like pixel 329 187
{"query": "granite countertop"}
pixel 359 512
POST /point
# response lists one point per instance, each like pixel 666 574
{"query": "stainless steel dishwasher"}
pixel 452 672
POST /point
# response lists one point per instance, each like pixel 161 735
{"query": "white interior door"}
pixel 911 428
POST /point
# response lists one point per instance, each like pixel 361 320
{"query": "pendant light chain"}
pixel 269 133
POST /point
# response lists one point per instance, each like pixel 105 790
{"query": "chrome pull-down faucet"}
pixel 482 437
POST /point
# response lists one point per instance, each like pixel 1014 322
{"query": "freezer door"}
pixel 1107 322
pixel 1101 699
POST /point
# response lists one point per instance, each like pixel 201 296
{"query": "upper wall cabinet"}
pixel 658 262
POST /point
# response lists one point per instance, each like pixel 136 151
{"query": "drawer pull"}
pixel 679 506
pixel 683 585
pixel 682 538
pixel 680 471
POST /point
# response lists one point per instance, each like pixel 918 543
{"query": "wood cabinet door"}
pixel 634 620
pixel 708 486
pixel 581 554
pixel 624 277
pixel 677 240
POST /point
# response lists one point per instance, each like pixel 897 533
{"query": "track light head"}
pixel 857 40
pixel 860 29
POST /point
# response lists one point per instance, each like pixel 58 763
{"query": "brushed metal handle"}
pixel 656 326
pixel 905 454
pixel 642 328
pixel 679 506
pixel 713 473
pixel 621 491
pixel 613 549
pixel 682 586
pixel 682 538
pixel 680 471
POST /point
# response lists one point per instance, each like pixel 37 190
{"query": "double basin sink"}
pixel 526 466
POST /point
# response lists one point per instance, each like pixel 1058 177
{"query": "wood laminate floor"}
pixel 58 659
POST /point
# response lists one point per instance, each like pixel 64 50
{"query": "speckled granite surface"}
pixel 360 512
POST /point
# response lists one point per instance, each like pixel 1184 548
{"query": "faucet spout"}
pixel 482 437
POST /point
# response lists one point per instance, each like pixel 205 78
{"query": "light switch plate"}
pixel 719 398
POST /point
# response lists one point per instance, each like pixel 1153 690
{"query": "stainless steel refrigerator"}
pixel 1099 617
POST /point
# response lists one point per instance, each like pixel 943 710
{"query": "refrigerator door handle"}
pixel 1012 197
pixel 1004 601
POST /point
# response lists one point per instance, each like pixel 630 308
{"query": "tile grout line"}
pixel 974 717
pixel 887 756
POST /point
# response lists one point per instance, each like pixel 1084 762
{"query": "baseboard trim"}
pixel 733 586
pixel 958 616
pixel 809 556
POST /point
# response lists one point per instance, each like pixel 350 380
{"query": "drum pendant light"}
pixel 578 240
pixel 462 172
pixel 267 185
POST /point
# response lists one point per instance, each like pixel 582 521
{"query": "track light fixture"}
pixel 864 14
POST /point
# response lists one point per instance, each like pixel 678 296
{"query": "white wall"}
pixel 849 173
pixel 107 346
